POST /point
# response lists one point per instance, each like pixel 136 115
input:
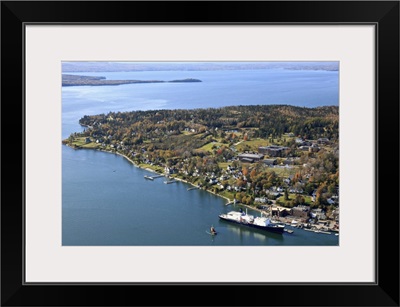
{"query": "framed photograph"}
pixel 171 152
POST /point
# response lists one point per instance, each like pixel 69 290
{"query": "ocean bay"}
pixel 107 201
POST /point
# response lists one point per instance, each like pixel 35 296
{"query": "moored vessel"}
pixel 245 219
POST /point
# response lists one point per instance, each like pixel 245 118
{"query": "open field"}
pixel 81 142
pixel 209 147
pixel 307 199
pixel 252 144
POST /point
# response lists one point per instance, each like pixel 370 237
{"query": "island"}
pixel 279 158
pixel 77 80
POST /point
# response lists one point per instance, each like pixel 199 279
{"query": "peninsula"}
pixel 256 155
pixel 77 80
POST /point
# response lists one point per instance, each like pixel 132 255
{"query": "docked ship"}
pixel 245 219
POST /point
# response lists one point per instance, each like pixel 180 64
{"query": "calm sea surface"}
pixel 107 201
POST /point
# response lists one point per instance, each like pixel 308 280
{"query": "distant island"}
pixel 194 66
pixel 77 80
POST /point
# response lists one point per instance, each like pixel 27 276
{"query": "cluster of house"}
pixel 230 173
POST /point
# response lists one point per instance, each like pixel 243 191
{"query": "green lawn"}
pixel 292 196
pixel 227 194
pixel 81 142
pixel 253 144
pixel 208 146
pixel 156 168
pixel 223 165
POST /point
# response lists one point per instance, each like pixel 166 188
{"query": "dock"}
pixel 153 177
pixel 169 181
pixel 193 188
pixel 230 203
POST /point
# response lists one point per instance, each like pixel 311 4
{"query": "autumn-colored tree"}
pixel 320 199
pixel 240 183
pixel 253 174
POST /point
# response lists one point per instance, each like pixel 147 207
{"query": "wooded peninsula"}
pixel 77 80
pixel 253 154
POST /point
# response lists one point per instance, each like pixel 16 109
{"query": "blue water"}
pixel 107 201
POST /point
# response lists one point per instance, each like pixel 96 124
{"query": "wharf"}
pixel 231 203
pixel 153 177
pixel 169 181
pixel 157 176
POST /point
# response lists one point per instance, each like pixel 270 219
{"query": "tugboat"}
pixel 212 231
pixel 245 219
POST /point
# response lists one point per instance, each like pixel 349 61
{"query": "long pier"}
pixel 157 176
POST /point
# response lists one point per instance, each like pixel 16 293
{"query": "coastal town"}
pixel 288 172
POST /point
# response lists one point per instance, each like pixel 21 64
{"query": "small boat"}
pixel 262 223
pixel 214 233
pixel 288 230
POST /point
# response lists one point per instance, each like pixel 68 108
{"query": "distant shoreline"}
pixel 77 80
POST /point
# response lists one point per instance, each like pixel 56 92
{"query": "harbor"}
pixel 323 227
pixel 122 203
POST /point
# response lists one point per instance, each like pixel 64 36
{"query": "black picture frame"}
pixel 383 14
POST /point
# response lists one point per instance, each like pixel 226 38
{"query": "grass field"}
pixel 293 196
pixel 224 165
pixel 81 142
pixel 155 168
pixel 227 194
pixel 208 147
pixel 253 144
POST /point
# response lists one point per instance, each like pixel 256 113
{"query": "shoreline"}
pixel 229 202
pixel 153 171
